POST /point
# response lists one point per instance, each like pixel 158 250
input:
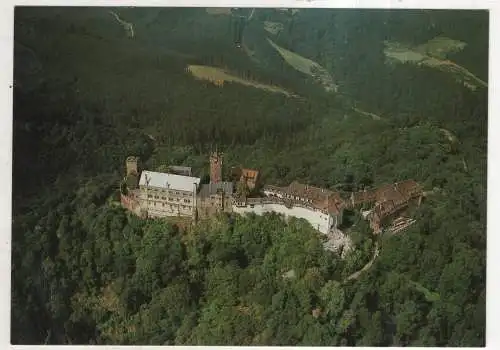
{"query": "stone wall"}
pixel 130 203
pixel 318 220
pixel 160 202
pixel 214 204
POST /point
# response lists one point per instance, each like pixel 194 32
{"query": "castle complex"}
pixel 176 193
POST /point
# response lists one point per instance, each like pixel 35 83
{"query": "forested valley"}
pixel 87 95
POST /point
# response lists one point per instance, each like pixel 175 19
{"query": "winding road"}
pixel 356 274
pixel 129 28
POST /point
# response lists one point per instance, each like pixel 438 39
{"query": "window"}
pixel 176 192
pixel 156 197
pixel 150 196
pixel 163 198
pixel 170 199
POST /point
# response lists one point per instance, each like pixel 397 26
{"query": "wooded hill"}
pixel 86 96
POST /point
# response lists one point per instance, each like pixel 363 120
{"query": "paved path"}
pixel 128 26
pixel 356 274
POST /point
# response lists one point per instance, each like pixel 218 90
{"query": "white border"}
pixel 6 73
pixel 404 4
pixel 6 59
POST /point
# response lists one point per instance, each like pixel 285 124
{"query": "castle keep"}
pixel 176 193
pixel 215 167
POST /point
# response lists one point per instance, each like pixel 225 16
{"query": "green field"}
pixel 219 76
pixel 306 66
pixel 433 54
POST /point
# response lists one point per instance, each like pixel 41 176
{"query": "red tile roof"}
pixel 307 191
pixel 317 197
pixel 397 192
pixel 364 196
pixel 391 198
pixel 335 204
pixel 249 174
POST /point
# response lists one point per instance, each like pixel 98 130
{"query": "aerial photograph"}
pixel 249 176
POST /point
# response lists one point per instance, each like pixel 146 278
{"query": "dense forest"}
pixel 87 95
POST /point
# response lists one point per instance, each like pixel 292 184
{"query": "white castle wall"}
pixel 318 220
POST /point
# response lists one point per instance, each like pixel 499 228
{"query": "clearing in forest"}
pixel 219 76
pixel 433 54
pixel 306 66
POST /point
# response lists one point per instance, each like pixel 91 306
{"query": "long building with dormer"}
pixel 164 194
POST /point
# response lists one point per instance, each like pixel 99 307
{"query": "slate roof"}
pixel 171 181
pixel 180 170
pixel 210 189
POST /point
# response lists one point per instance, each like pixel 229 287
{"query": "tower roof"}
pixel 250 174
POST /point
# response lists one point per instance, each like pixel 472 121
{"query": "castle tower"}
pixel 131 165
pixel 215 167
